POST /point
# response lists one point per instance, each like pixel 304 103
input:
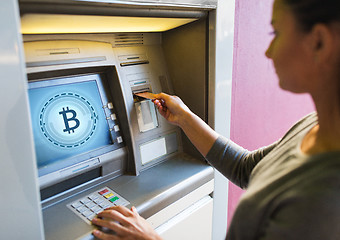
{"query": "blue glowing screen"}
pixel 68 120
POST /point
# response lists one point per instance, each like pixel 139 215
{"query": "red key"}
pixel 103 191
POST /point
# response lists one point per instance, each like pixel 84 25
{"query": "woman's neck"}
pixel 325 136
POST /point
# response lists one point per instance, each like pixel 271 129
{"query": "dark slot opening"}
pixel 69 183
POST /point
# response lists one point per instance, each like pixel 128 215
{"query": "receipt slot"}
pixel 146 115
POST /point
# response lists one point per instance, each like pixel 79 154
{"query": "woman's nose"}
pixel 268 52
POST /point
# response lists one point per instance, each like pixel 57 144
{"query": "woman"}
pixel 293 185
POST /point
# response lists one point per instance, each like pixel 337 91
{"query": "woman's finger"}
pixel 121 209
pixel 112 225
pixel 115 215
pixel 160 104
pixel 103 236
pixel 129 227
pixel 134 210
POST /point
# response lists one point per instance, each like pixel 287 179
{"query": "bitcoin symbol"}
pixel 72 107
pixel 67 120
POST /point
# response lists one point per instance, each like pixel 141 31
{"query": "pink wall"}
pixel 261 112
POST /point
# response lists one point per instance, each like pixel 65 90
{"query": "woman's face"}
pixel 288 51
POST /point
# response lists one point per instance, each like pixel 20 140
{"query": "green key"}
pixel 114 199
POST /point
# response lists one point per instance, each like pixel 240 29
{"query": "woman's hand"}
pixel 176 112
pixel 171 108
pixel 126 224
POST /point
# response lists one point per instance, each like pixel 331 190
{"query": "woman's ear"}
pixel 322 42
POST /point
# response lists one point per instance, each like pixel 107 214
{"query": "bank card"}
pixel 147 95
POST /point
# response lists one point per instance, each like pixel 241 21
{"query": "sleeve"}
pixel 235 162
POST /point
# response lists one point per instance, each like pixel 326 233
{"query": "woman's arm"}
pixel 233 161
pixel 176 112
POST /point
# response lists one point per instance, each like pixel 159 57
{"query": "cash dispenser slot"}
pixel 125 64
pixel 133 59
pixel 65 61
pixel 142 88
pixel 139 90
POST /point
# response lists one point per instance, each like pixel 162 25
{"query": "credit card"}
pixel 147 95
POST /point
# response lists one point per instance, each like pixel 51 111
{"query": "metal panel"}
pixel 193 223
pixel 175 179
pixel 185 51
pixel 20 203
pixel 180 205
pixel 174 3
pixel 200 4
pixel 115 8
pixel 220 75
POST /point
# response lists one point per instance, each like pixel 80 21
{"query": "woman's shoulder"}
pixel 304 123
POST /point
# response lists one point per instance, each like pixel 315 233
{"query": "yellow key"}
pixel 108 195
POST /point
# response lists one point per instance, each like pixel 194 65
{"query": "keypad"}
pixel 89 206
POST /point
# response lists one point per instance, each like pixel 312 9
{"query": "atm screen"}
pixel 68 121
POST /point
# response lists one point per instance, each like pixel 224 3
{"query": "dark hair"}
pixel 310 12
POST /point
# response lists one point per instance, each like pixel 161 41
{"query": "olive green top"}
pixel 289 195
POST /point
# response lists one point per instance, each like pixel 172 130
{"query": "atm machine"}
pixel 97 144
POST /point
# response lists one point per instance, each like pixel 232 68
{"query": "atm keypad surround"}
pixel 92 204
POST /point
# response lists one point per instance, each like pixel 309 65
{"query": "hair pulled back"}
pixel 310 12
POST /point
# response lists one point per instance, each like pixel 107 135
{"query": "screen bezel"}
pixel 69 76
